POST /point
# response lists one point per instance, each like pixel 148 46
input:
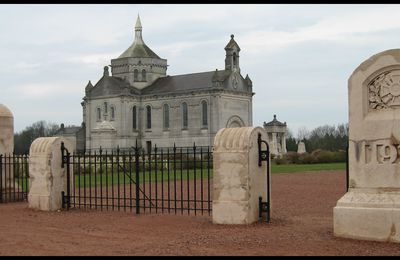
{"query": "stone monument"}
pixel 370 210
pixel 238 180
pixel 301 147
pixel 276 136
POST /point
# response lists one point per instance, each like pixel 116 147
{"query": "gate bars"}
pixel 173 179
pixel 14 178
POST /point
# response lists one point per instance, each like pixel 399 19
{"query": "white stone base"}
pixel 368 215
pixel 231 212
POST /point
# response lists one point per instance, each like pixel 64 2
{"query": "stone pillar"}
pixel 284 150
pixel 370 210
pixel 238 180
pixel 6 148
pixel 274 144
pixel 6 130
pixel 47 178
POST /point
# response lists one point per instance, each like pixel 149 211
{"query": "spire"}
pixel 138 31
pixel 138 25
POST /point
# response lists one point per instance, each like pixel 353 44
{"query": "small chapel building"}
pixel 138 101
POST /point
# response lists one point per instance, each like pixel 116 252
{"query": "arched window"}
pixel 234 58
pixel 204 121
pixel 144 75
pixel 166 116
pixel 105 108
pixel 184 115
pixel 134 125
pixel 135 75
pixel 112 109
pixel 148 117
pixel 98 114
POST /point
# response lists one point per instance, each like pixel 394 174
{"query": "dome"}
pixel 138 49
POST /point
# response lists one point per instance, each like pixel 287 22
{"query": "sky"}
pixel 299 57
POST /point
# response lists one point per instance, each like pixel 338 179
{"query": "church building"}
pixel 136 99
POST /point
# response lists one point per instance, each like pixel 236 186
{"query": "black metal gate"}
pixel 14 178
pixel 162 180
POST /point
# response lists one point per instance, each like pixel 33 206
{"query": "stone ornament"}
pixel 384 90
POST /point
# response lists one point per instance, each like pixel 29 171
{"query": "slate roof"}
pixel 186 82
pixel 232 44
pixel 274 122
pixel 139 50
pixel 109 85
pixel 68 130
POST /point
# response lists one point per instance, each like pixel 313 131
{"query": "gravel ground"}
pixel 301 224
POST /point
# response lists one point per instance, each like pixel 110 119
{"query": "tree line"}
pixel 326 137
pixel 24 138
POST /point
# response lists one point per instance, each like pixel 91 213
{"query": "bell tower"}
pixel 232 55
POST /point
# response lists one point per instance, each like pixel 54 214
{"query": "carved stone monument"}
pixel 370 210
pixel 238 180
pixel 47 178
pixel 301 147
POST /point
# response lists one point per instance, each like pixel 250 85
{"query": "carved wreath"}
pixel 384 90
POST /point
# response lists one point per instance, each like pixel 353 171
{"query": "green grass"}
pixel 291 168
pixel 86 180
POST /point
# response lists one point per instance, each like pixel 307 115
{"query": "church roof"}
pixel 109 85
pixel 186 82
pixel 232 44
pixel 138 49
pixel 275 122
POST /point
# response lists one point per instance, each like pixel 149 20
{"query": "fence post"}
pixel 137 178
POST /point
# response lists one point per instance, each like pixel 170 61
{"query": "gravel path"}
pixel 301 224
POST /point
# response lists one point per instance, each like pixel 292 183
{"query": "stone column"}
pixel 238 180
pixel 47 178
pixel 370 210
pixel 6 149
pixel 284 150
pixel 274 144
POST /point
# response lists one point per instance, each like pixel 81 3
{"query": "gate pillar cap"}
pixel 373 63
pixel 237 138
pixel 44 145
pixel 5 112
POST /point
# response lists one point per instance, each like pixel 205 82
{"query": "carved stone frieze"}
pixel 384 90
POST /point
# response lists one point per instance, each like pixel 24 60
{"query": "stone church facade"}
pixel 137 100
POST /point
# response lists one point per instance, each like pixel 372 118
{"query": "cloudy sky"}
pixel 299 57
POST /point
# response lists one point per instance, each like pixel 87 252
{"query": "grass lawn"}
pixel 290 168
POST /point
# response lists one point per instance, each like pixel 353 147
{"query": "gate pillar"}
pixel 46 176
pixel 6 149
pixel 240 179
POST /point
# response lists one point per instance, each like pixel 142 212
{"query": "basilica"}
pixel 136 100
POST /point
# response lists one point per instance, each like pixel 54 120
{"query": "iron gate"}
pixel 14 178
pixel 173 180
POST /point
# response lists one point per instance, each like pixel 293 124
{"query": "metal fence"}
pixel 14 180
pixel 163 180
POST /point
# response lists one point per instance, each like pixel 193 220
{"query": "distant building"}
pixel 75 134
pixel 139 101
pixel 277 136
